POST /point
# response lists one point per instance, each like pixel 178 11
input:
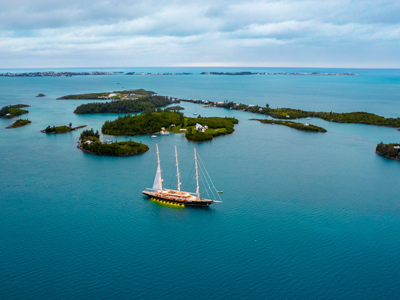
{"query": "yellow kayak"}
pixel 220 191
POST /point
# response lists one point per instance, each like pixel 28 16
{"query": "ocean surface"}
pixel 304 215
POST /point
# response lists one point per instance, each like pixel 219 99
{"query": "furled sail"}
pixel 157 181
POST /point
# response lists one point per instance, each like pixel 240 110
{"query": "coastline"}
pixel 386 156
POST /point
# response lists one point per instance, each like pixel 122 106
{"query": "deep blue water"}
pixel 304 215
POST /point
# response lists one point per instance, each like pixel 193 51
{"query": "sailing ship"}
pixel 169 196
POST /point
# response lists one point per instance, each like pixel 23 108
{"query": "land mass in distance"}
pixel 295 125
pixel 54 74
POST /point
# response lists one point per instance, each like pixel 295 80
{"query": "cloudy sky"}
pixel 105 33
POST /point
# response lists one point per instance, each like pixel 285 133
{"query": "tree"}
pixel 267 105
pixel 70 125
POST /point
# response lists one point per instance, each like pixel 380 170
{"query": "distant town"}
pixel 141 73
pixel 298 74
pixel 248 73
pixel 55 74
pixel 70 74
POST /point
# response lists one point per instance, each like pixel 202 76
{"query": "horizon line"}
pixel 194 66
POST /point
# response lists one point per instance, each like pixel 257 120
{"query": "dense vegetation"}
pixel 146 123
pixel 20 123
pixel 352 117
pixel 391 151
pixel 13 110
pixel 289 113
pixel 175 108
pixel 216 126
pixel 295 125
pixel 140 92
pixel 124 106
pixel 90 143
pixel 152 122
pixel 89 133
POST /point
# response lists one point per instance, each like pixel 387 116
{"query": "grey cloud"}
pixel 185 32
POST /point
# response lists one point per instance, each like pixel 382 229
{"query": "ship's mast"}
pixel 159 168
pixel 177 170
pixel 197 174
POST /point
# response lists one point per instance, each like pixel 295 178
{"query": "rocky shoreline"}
pixel 387 156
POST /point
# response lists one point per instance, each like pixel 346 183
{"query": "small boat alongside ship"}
pixel 169 196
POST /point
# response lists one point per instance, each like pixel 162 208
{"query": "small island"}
pixel 61 129
pixel 175 108
pixel 163 122
pixel 11 111
pixel 118 95
pixel 290 113
pixel 124 106
pixel 391 151
pixel 89 142
pixel 19 123
pixel 41 95
pixel 295 125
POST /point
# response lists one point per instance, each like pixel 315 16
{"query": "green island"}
pixel 295 125
pixel 203 129
pixel 11 111
pixel 19 123
pixel 352 117
pixel 89 142
pixel 124 106
pixel 61 129
pixel 129 94
pixel 196 129
pixel 391 151
pixel 290 114
pixel 175 108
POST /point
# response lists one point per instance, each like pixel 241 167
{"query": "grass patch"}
pixel 12 111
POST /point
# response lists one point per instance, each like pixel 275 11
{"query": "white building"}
pixel 200 128
pixel 250 105
pixel 112 95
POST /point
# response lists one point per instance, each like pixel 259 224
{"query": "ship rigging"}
pixel 178 197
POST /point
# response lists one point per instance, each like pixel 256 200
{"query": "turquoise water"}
pixel 305 216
